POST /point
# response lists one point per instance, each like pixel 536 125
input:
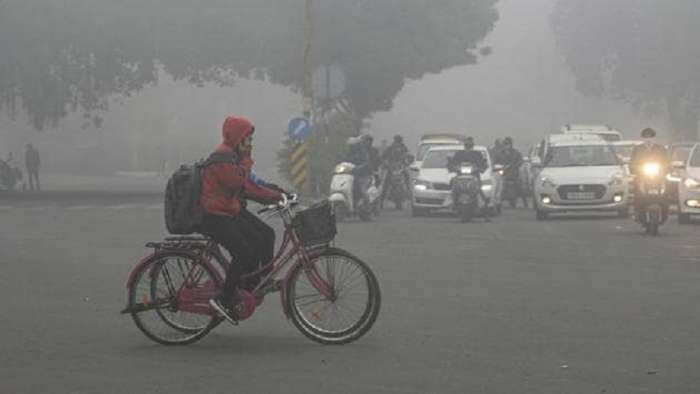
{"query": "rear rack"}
pixel 180 242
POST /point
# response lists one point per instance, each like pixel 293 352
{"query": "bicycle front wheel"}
pixel 333 300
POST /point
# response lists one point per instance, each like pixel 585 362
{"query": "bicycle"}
pixel 169 289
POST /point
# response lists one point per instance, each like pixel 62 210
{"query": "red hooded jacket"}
pixel 224 184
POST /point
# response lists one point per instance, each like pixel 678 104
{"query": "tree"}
pixel 68 55
pixel 641 51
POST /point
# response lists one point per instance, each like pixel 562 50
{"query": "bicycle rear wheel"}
pixel 348 311
pixel 169 298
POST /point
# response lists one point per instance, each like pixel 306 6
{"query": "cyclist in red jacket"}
pixel 225 188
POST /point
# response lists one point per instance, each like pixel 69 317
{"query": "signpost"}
pixel 298 131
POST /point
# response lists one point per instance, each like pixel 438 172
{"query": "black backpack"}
pixel 183 210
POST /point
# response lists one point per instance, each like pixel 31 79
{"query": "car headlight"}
pixel 617 180
pixel 691 183
pixel 421 185
pixel 547 183
pixel 651 169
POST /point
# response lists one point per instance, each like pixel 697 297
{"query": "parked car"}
pixel 581 175
pixel 432 190
pixel 689 187
pixel 678 153
pixel 605 132
pixel 431 140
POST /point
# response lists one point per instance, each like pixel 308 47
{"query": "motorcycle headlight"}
pixel 547 183
pixel 691 183
pixel 486 186
pixel 421 185
pixel 617 180
pixel 651 169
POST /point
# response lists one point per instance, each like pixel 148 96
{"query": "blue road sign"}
pixel 299 129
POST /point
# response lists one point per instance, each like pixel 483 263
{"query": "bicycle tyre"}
pixel 357 329
pixel 189 336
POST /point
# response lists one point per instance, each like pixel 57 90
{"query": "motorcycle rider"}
pixel 395 155
pixel 512 160
pixel 225 188
pixel 476 160
pixel 360 155
pixel 649 151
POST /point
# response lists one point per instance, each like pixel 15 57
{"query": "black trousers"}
pixel 248 239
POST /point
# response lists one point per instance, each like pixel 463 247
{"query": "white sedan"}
pixel 431 187
pixel 581 176
pixel 689 188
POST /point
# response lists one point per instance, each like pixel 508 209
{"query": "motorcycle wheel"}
pixel 340 211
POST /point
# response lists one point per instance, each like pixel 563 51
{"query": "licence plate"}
pixel 580 196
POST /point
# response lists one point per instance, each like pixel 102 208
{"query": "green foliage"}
pixel 64 55
pixel 641 51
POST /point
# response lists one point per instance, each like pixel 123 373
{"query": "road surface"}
pixel 582 305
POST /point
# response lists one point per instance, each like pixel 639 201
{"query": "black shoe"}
pixel 224 309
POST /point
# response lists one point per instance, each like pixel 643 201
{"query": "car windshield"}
pixel 582 155
pixel 425 147
pixel 695 160
pixel 439 158
pixel 610 137
pixel 680 153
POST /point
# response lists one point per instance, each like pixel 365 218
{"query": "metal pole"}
pixel 308 31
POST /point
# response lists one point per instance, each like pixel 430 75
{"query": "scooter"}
pixel 652 191
pixel 465 192
pixel 342 197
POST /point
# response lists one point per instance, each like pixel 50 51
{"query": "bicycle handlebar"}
pixel 285 203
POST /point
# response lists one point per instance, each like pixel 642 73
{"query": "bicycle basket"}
pixel 316 224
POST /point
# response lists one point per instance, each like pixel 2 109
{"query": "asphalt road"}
pixel 582 305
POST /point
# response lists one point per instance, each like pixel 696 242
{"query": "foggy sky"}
pixel 523 90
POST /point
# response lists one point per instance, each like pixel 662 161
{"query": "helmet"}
pixel 398 138
pixel 508 141
pixel 648 133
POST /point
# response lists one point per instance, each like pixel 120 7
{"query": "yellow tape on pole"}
pixel 298 152
pixel 300 166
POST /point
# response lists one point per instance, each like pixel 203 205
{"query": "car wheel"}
pixel 683 218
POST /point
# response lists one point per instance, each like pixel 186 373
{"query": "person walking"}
pixel 33 163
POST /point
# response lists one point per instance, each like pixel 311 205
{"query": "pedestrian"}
pixel 33 163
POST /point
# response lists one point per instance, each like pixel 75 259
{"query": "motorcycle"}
pixel 465 192
pixel 9 176
pixel 343 199
pixel 395 184
pixel 652 191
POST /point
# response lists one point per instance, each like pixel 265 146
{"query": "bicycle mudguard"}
pixel 132 275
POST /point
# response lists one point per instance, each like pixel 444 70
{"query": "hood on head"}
pixel 234 130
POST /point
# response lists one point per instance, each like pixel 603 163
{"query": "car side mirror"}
pixel 678 165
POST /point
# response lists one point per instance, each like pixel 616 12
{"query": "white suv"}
pixel 584 175
pixel 689 188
